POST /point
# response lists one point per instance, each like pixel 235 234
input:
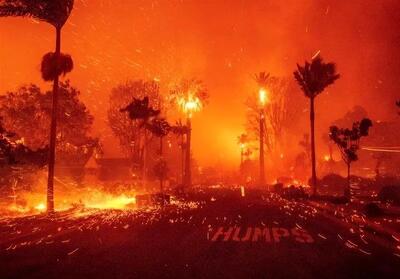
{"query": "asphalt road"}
pixel 218 234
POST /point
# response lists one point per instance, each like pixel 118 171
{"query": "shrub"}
pixel 390 194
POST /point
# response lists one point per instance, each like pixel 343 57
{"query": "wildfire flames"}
pixel 32 203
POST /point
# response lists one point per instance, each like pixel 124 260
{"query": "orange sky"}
pixel 222 43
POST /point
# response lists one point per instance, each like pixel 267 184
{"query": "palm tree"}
pixel 56 13
pixel 140 110
pixel 262 79
pixel 190 95
pixel 348 142
pixel 159 127
pixel 313 78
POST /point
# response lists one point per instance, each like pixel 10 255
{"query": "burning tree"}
pixel 348 141
pixel 190 95
pixel 17 161
pixel 28 112
pixel 56 13
pixel 313 78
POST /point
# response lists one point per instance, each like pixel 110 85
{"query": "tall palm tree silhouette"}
pixel 190 95
pixel 56 13
pixel 313 78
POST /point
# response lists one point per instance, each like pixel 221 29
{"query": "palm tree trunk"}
pixel 262 165
pixel 53 131
pixel 188 175
pixel 313 165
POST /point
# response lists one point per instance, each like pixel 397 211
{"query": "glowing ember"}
pixel 120 202
pixel 28 203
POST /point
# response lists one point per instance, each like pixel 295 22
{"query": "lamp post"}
pixel 262 95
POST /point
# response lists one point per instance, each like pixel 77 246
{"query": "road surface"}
pixel 217 234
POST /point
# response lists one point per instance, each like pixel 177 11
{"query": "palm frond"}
pixel 314 77
pixel 262 78
pixel 53 66
pixel 55 12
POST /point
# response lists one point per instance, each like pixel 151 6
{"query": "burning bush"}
pixel 373 210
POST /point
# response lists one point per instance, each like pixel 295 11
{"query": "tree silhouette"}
pixel 348 142
pixel 181 130
pixel 190 95
pixel 242 140
pixel 17 161
pixel 56 13
pixel 28 112
pixel 160 128
pixel 262 79
pixel 313 78
pixel 140 110
pixel 131 133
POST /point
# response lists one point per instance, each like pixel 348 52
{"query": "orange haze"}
pixel 222 43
